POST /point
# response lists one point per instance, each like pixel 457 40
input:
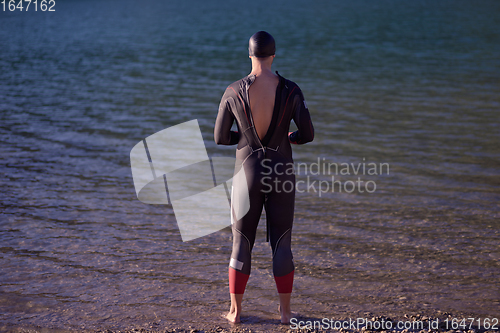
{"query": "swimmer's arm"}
pixel 222 131
pixel 302 119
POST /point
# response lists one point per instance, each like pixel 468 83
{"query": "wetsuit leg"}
pixel 278 198
pixel 244 231
pixel 279 207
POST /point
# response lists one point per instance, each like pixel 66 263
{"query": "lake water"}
pixel 411 85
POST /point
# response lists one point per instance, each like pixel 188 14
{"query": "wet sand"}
pixel 419 322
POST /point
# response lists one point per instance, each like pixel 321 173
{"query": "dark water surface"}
pixel 411 84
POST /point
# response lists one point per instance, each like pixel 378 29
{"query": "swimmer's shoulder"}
pixel 289 84
pixel 234 88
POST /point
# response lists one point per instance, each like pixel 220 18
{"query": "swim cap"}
pixel 261 44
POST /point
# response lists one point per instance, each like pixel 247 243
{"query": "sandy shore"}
pixel 428 324
pixel 243 328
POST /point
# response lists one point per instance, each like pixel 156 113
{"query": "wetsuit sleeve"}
pixel 302 119
pixel 225 118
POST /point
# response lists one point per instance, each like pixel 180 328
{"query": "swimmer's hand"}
pixel 292 138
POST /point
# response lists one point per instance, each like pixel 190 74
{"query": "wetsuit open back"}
pixel 266 188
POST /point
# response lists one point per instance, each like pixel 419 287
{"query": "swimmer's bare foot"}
pixel 233 316
pixel 284 308
pixel 235 310
pixel 286 316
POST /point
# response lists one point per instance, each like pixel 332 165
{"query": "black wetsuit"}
pixel 274 190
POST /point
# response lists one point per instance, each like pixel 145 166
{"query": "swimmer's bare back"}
pixel 262 95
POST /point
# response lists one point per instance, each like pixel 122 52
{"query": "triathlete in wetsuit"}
pixel 258 155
